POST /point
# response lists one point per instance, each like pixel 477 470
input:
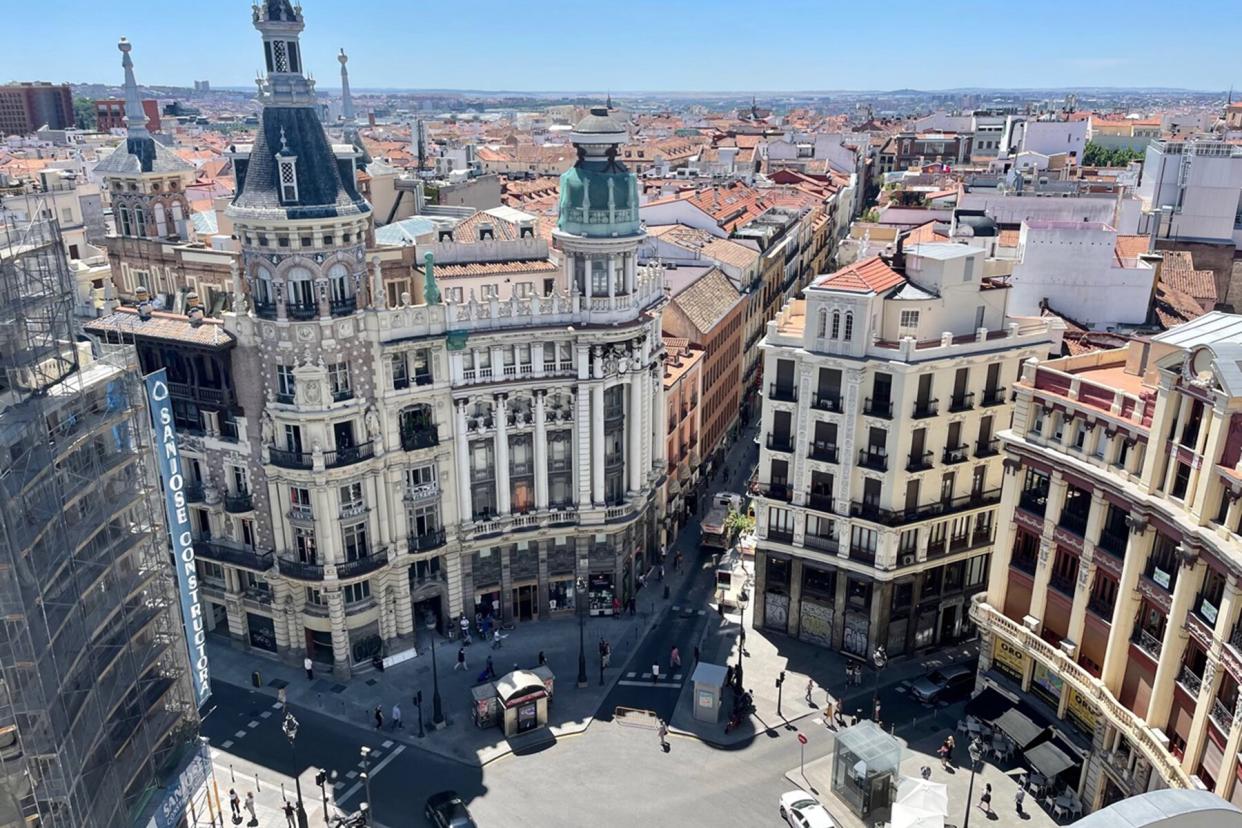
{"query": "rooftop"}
pixel 868 276
pixel 125 322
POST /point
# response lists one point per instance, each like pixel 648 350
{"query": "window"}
pixel 1180 481
pixel 909 319
pixel 352 502
pixel 976 570
pixel 315 597
pixel 355 541
pixel 288 179
pixel 300 503
pixel 525 290
pixel 823 324
pixel 400 371
pixel 338 380
pixel 836 324
pixel 338 281
pixel 780 521
pixel 849 326
pixel 286 385
pixel 356 593
pixel 304 544
pixel 422 366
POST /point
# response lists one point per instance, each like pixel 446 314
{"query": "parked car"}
pixel 943 684
pixel 446 810
pixel 801 810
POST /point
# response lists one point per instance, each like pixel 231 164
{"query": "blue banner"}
pixel 179 794
pixel 179 532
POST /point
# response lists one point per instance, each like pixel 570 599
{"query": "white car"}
pixel 801 810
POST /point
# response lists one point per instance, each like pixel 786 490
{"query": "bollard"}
pixel 232 776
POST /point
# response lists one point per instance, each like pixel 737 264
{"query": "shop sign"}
pixel 171 810
pixel 1051 683
pixel 1009 656
pixel 1161 577
pixel 1080 709
pixel 706 699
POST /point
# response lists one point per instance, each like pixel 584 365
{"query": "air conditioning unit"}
pixel 907 560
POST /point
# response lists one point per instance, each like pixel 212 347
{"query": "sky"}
pixel 642 45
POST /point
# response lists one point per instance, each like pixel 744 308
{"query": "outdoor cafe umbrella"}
pixel 1018 727
pixel 1049 760
pixel 920 804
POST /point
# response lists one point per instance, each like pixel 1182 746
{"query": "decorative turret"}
pixel 280 24
pixel 347 100
pixel 599 196
pixel 135 115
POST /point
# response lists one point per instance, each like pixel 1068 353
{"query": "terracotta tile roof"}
pixel 926 234
pixel 126 324
pixel 1131 247
pixel 708 300
pixel 691 238
pixel 1171 307
pixel 1177 272
pixel 450 271
pixel 1008 238
pixel 868 276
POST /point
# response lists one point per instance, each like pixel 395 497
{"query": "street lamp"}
pixel 580 586
pixel 880 659
pixel 290 728
pixel 366 778
pixel 437 712
pixel 976 753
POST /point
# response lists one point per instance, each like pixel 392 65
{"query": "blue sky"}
pixel 725 45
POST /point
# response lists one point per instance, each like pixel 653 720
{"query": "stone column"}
pixel 1126 608
pixel 655 429
pixel 403 606
pixel 1043 574
pixel 541 452
pixel 1082 593
pixel 597 443
pixel 1002 548
pixel 582 433
pixel 1173 646
pixel 634 426
pixel 340 635
pixel 1211 677
pixel 1212 433
pixel 502 455
pixel 1166 408
pixel 795 597
pixel 461 447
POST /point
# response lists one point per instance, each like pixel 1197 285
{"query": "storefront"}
pixel 600 593
pixel 857 625
pixel 561 595
pixel 526 601
pixel 1046 685
pixel 1008 660
pixel 1080 713
pixel 925 626
pixel 487 604
pixel 776 593
pixel 816 612
pixel 262 632
pixel 517 701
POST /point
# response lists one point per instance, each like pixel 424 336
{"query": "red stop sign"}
pixel 801 738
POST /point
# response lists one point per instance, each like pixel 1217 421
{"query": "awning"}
pixel 1019 727
pixel 1048 759
pixel 989 704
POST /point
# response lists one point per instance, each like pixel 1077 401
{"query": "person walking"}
pixel 309 667
pixel 254 819
pixel 696 653
pixel 663 731
pixel 461 660
pixel 489 670
pixel 379 717
pixel 810 685
pixel 950 744
pixel 465 629
pixel 543 660
pixel 674 658
pixel 1018 797
pixel 396 718
pixel 830 714
pixel 606 660
pixel 496 639
pixel 985 800
pixel 290 822
pixel 235 804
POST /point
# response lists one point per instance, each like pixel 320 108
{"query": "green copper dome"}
pixel 598 198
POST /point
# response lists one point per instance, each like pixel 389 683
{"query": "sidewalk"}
pixel 355 699
pixel 767 654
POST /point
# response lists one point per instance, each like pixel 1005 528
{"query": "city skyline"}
pixel 805 58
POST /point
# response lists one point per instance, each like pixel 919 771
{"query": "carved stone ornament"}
pixel 313 393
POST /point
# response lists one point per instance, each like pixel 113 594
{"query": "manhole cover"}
pixel 279 684
pixel 371 682
pixel 338 688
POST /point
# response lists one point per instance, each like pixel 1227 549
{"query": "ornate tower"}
pixel 347 100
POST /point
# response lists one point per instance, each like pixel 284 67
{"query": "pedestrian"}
pixel 254 820
pixel 616 607
pixel 465 629
pixel 810 685
pixel 720 608
pixel 943 752
pixel 633 606
pixel 875 717
pixel 663 731
pixel 742 637
pixel 496 639
pixel 309 667
pixel 379 717
pixel 290 822
pixel 1017 800
pixel 461 660
pixel 950 745
pixel 696 653
pixel 726 474
pixel 607 659
pixel 830 714
pixel 674 658
pixel 601 648
pixel 235 804
pixel 490 670
pixel 542 659
pixel 396 718
pixel 661 572
pixel 985 801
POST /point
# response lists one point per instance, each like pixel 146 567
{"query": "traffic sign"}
pixel 801 738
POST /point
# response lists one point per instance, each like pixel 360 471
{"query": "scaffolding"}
pixel 95 700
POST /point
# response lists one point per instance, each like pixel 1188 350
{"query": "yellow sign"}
pixel 1009 656
pixel 1081 710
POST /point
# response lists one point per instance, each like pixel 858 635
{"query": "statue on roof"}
pixel 431 293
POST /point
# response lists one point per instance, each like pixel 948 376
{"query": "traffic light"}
pixel 780 679
pixel 321 778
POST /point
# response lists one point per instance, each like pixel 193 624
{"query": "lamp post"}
pixel 290 728
pixel 437 713
pixel 366 778
pixel 580 599
pixel 880 659
pixel 976 753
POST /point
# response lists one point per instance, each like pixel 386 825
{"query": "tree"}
pixel 1097 155
pixel 84 113
pixel 739 522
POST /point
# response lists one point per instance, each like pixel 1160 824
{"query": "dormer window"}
pixel 287 166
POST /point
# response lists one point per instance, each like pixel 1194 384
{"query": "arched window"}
pixel 823 323
pixel 849 326
pixel 126 221
pixel 338 279
pixel 140 222
pixel 263 287
pixel 300 297
pixel 836 324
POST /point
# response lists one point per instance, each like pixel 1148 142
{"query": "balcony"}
pixel 926 408
pixel 1101 606
pixel 992 396
pixel 285 397
pixel 919 462
pixel 298 570
pixel 343 307
pixel 301 311
pixel 784 393
pixel 342 394
pixel 824 452
pixel 824 543
pixel 878 408
pixel 413 439
pixel 876 460
pixel 193 493
pixel 301 511
pixel 265 310
pixel 987 449
pixel 336 458
pixel 1034 501
pixel 782 535
pixel 955 454
pixel 773 491
pixel 1147 642
pixel 962 402
pixel 1063 583
pixel 780 442
pixel 364 565
pixel 1187 678
pixel 237 503
pixel 820 502
pixel 234 554
pixel 1222 715
pixel 1075 522
pixel 290 459
pixel 426 541
pixel 826 402
pixel 1114 543
pixel 1026 565
pixel 899 517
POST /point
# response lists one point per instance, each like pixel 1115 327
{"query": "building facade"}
pixel 879 471
pixel 27 107
pixel 1113 599
pixel 683 395
pixel 110 114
